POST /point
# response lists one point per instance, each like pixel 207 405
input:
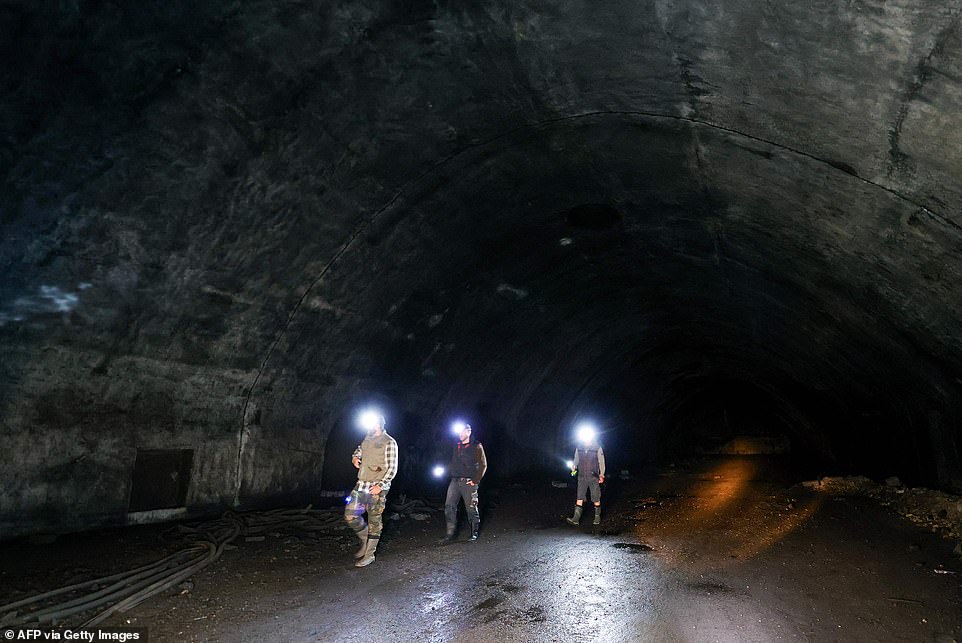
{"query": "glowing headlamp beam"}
pixel 586 433
pixel 369 419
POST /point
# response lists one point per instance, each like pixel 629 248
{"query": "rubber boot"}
pixel 362 535
pixel 448 537
pixel 474 532
pixel 597 520
pixel 576 516
pixel 368 557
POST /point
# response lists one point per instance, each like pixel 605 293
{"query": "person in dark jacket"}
pixel 468 466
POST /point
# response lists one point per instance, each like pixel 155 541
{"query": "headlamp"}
pixel 369 420
pixel 586 433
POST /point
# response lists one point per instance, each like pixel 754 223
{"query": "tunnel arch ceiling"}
pixel 206 207
pixel 732 259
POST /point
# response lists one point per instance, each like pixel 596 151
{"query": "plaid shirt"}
pixel 390 458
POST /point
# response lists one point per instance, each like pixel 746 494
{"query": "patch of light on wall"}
pixel 48 299
pixel 511 291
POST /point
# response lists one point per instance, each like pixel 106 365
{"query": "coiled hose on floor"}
pixel 204 543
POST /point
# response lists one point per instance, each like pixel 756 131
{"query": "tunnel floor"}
pixel 720 550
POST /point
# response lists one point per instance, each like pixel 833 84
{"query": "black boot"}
pixel 474 532
pixel 448 537
pixel 597 520
pixel 576 516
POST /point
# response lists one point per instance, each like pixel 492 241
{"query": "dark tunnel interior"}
pixel 226 227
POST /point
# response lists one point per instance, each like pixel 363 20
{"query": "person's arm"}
pixel 356 458
pixel 574 462
pixel 482 463
pixel 601 464
pixel 391 459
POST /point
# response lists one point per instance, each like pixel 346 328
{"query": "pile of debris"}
pixel 935 510
pixel 414 508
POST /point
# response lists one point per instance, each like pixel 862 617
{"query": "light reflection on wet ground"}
pixel 732 557
pixel 556 585
pixel 723 516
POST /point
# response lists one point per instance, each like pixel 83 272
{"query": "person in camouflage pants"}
pixel 376 461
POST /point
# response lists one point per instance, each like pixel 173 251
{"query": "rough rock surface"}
pixel 224 225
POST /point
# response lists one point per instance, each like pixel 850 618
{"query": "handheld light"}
pixel 438 471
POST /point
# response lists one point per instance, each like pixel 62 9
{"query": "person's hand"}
pixel 471 483
pixel 601 479
pixel 356 462
pixel 375 490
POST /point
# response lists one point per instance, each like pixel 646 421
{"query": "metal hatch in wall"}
pixel 159 481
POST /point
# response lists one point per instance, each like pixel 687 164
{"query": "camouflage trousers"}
pixel 374 506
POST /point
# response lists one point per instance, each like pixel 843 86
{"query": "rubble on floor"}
pixel 935 510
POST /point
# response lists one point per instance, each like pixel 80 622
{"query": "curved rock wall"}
pixel 226 225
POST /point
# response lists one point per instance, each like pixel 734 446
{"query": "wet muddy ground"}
pixel 726 549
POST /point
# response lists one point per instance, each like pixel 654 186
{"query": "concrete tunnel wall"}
pixel 227 225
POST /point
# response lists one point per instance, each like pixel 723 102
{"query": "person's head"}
pixel 464 432
pixel 378 426
pixel 586 434
pixel 372 422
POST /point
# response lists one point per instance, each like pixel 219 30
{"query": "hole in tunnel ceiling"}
pixel 592 216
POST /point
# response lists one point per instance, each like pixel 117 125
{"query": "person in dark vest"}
pixel 589 464
pixel 468 466
pixel 376 461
